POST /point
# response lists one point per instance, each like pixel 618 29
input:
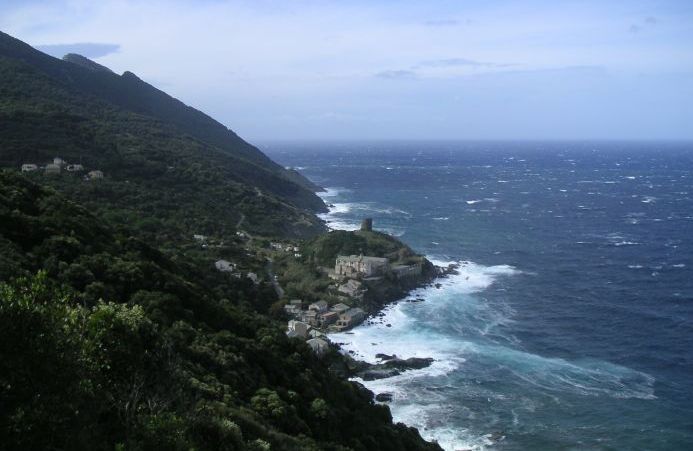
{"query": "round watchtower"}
pixel 367 225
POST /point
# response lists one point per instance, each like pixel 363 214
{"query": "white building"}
pixel 96 174
pixel 224 266
pixel 29 167
pixel 75 168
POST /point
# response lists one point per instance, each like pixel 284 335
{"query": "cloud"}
pixel 651 20
pixel 396 74
pixel 634 29
pixel 453 62
pixel 88 49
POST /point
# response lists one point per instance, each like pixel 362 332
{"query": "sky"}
pixel 385 69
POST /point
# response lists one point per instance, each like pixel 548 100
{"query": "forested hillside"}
pixel 106 342
pixel 157 154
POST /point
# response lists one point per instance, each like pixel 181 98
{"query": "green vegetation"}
pixel 324 248
pixel 107 341
pixel 162 159
pixel 116 330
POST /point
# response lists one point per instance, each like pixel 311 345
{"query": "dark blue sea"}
pixel 570 324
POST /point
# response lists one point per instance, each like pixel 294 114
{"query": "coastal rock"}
pixel 385 357
pixel 392 367
pixel 383 397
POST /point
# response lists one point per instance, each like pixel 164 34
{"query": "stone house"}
pixel 29 167
pixel 298 329
pixel 224 266
pixel 360 266
pixel 319 346
pixel 327 318
pixel 311 317
pixel 96 174
pixel 352 288
pixel 319 307
pixel 350 318
pixel 339 308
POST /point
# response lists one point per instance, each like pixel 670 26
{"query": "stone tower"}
pixel 367 225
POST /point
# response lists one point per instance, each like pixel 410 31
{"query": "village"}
pixel 352 274
pixel 340 307
pixel 58 165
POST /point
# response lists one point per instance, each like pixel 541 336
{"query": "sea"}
pixel 569 325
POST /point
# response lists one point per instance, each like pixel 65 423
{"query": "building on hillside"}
pixel 28 167
pixel 52 168
pixel 224 266
pixel 96 174
pixel 58 161
pixel 298 329
pixel 339 308
pixel 327 318
pixel 350 318
pixel 319 307
pixel 75 168
pixel 252 276
pixel 319 346
pixel 360 266
pixel 352 288
pixel 311 317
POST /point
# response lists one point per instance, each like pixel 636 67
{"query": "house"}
pixel 350 318
pixel 319 307
pixel 327 318
pixel 58 161
pixel 96 174
pixel 298 329
pixel 339 308
pixel 29 167
pixel 199 237
pixel 52 168
pixel 293 308
pixel 75 168
pixel 352 288
pixel 360 266
pixel 252 276
pixel 319 346
pixel 311 317
pixel 224 266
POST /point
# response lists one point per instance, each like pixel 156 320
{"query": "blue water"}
pixel 570 323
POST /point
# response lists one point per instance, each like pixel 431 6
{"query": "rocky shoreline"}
pixel 391 365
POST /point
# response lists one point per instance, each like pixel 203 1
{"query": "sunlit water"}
pixel 569 324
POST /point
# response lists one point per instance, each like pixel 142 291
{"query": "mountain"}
pixel 156 152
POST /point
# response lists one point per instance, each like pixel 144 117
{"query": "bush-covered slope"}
pixel 146 142
pixel 105 342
